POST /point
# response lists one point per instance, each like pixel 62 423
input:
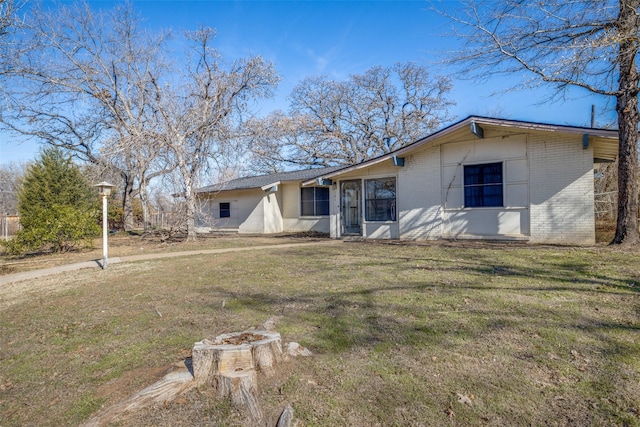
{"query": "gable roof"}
pixel 266 181
pixel 605 141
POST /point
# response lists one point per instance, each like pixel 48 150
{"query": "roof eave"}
pixel 595 132
pixel 270 185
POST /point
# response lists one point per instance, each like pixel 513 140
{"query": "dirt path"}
pixel 18 287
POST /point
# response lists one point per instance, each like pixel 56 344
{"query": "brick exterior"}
pixel 547 178
pixel 561 190
pixel 419 197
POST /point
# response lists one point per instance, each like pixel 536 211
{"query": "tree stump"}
pixel 230 361
pixel 267 353
pixel 241 387
pixel 210 360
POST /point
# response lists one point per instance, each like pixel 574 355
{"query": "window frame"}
pixel 373 206
pixel 227 210
pixel 318 209
pixel 485 182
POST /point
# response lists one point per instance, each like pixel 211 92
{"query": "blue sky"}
pixel 339 38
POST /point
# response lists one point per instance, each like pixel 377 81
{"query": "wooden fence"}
pixel 9 225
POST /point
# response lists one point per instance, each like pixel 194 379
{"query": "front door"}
pixel 351 207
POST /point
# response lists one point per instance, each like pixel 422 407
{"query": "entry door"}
pixel 351 203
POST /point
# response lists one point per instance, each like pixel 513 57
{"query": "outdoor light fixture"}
pixel 477 130
pixel 398 161
pixel 105 190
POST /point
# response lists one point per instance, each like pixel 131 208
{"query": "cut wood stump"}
pixel 242 388
pixel 229 363
pixel 210 360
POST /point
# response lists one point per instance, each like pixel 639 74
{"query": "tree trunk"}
pixel 628 119
pixel 255 349
pixel 127 203
pixel 190 201
pixel 144 201
pixel 189 191
pixel 211 360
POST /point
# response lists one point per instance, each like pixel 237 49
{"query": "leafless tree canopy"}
pixel 590 44
pixel 10 178
pixel 569 43
pixel 80 81
pixel 200 117
pixel 9 24
pixel 97 84
pixel 346 122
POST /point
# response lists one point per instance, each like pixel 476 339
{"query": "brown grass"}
pixel 442 333
pixel 123 245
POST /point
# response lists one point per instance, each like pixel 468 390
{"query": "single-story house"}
pixel 266 204
pixel 480 178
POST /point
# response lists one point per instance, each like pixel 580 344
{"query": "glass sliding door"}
pixel 351 207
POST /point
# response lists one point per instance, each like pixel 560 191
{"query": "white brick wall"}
pixel 510 221
pixel 561 190
pixel 549 190
pixel 419 207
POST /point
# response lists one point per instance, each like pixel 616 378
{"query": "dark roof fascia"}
pixel 603 133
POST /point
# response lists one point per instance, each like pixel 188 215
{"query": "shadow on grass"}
pixel 390 310
pixel 347 318
pixel 564 339
pixel 493 320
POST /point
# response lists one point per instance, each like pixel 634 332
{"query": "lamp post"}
pixel 105 190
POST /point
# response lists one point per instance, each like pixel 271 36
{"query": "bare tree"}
pixel 590 44
pixel 9 25
pixel 7 15
pixel 10 177
pixel 201 112
pixel 346 122
pixel 81 81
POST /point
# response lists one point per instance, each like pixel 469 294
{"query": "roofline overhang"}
pixel 222 187
pixel 270 185
pixel 543 127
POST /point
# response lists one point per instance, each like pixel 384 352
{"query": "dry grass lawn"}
pixel 433 334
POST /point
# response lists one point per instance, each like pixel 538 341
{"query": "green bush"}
pixel 58 209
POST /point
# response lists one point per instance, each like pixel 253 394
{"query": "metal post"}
pixel 105 189
pixel 105 233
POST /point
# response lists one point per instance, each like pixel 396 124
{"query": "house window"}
pixel 225 210
pixel 380 199
pixel 483 185
pixel 314 201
